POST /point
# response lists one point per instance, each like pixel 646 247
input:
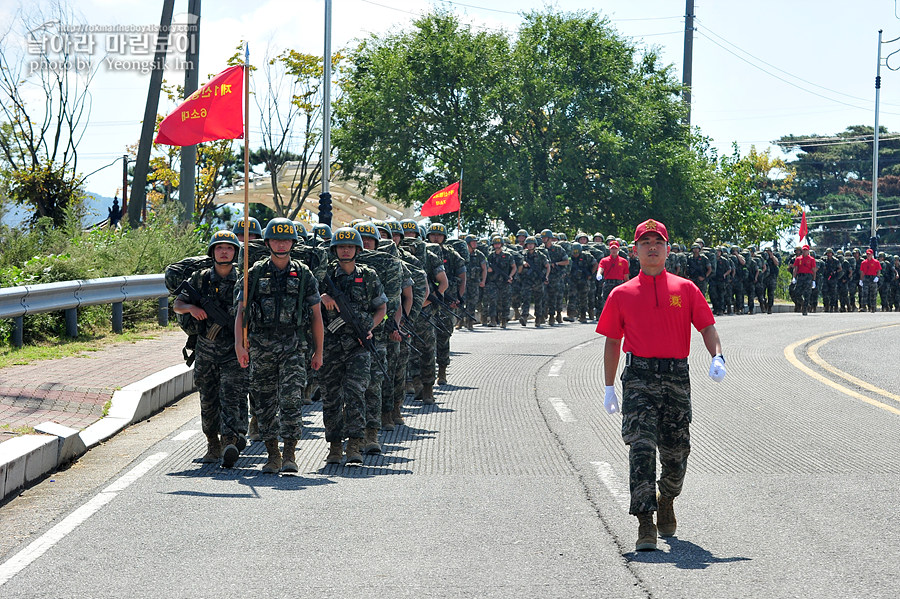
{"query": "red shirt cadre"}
pixel 614 271
pixel 870 267
pixel 805 265
pixel 654 315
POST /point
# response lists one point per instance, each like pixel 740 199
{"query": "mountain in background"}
pixel 96 210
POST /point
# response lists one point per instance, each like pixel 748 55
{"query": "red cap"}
pixel 613 243
pixel 870 251
pixel 651 226
pixel 805 247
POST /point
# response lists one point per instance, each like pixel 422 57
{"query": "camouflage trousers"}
pixel 580 297
pixel 886 293
pixel 515 292
pixel 608 286
pixel 277 378
pixel 422 364
pixel 737 292
pixel 375 389
pixel 830 294
pixel 868 293
pixel 702 285
pixel 394 389
pixel 442 337
pixel 345 378
pixel 769 286
pixel 803 290
pixel 656 415
pixel 533 293
pixel 555 293
pixel 717 296
pixel 222 385
pixel 497 299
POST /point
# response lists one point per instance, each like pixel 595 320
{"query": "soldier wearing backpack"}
pixel 282 303
pixel 220 380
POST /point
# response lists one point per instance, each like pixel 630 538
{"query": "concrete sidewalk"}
pixel 135 378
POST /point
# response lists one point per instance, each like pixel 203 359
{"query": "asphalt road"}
pixel 514 484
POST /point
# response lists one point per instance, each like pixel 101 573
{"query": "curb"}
pixel 29 457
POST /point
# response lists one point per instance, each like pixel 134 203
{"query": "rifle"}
pixel 392 326
pixel 438 299
pixel 410 329
pixel 348 316
pixel 217 315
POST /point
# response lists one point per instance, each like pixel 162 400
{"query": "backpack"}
pixel 182 271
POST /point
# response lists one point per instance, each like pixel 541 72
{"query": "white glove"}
pixel 875 280
pixel 611 401
pixel 793 281
pixel 860 284
pixel 599 276
pixel 717 369
pixel 814 285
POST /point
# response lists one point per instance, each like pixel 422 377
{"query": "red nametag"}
pixel 293 274
pixel 358 280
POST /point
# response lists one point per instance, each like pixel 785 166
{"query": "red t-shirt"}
pixel 805 265
pixel 654 315
pixel 870 266
pixel 615 271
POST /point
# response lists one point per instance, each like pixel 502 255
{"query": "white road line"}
pixel 565 414
pixel 556 367
pixel 39 546
pixel 185 435
pixel 612 482
pixel 583 345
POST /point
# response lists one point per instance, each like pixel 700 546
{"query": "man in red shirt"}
pixel 868 281
pixel 804 269
pixel 612 271
pixel 654 313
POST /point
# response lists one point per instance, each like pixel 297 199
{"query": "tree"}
pixel 41 57
pixel 754 204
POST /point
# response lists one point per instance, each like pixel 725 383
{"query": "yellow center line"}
pixel 789 354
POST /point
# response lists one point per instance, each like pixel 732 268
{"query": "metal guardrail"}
pixel 17 302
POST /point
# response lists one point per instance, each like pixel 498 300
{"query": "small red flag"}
pixel 443 201
pixel 804 232
pixel 212 112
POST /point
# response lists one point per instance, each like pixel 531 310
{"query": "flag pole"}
pixel 459 213
pixel 246 182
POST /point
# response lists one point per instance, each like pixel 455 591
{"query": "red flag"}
pixel 443 201
pixel 212 112
pixel 804 232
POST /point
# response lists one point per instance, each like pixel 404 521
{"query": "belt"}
pixel 655 364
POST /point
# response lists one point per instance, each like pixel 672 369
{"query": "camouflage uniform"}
pixel 885 281
pixel 473 279
pixel 346 365
pixel 556 286
pixel 398 366
pixel 455 267
pixel 717 284
pixel 533 282
pixel 220 380
pixel 737 280
pixel 581 278
pixel 656 413
pixel 697 268
pixel 277 325
pixel 422 364
pixel 770 281
pixel 497 286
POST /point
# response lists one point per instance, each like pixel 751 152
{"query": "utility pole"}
pixel 325 196
pixel 186 183
pixel 688 56
pixel 873 241
pixel 141 166
pixel 124 184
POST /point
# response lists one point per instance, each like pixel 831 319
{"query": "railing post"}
pixel 163 318
pixel 18 331
pixel 72 322
pixel 117 318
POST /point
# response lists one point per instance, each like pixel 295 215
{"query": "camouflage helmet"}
pixel 610 238
pixel 598 234
pixel 751 248
pixel 576 248
pixel 223 237
pixel 367 229
pixel 562 237
pixel 395 227
pixel 696 246
pixel 356 221
pixel 301 229
pixel 496 239
pixel 881 254
pixel 521 233
pixel 829 251
pixel 280 228
pixel 581 234
pixel 855 250
pixel 699 240
pixel 438 229
pixel 531 239
pixel 409 225
pixel 322 231
pixel 546 234
pixel 470 238
pixel 254 227
pixel 347 236
pixel 676 247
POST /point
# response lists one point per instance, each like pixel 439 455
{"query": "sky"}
pixel 761 69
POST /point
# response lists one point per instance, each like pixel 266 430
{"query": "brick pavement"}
pixel 72 391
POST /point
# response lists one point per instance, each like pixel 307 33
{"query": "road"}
pixel 514 484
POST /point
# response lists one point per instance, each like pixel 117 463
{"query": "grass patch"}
pixel 19 430
pixel 81 345
pixel 106 407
